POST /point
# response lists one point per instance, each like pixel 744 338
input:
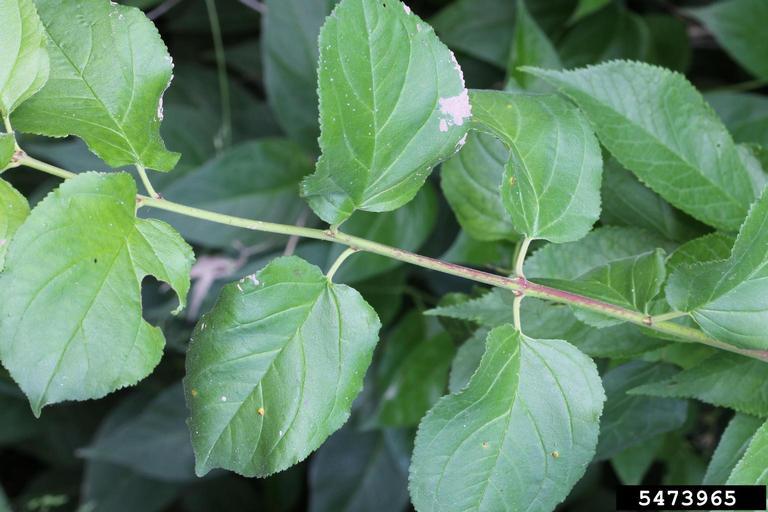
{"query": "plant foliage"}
pixel 611 213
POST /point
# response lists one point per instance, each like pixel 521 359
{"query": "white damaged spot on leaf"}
pixel 456 110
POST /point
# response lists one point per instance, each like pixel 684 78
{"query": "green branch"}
pixel 518 284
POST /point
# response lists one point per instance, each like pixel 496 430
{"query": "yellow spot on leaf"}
pixel 193 393
pixel 260 410
pixel 556 454
pixel 485 444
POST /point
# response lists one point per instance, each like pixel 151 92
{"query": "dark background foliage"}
pixel 131 452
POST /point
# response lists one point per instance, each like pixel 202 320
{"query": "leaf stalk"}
pixel 349 251
pixel 145 180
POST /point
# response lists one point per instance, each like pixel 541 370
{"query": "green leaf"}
pixel 600 247
pixel 729 299
pixel 724 380
pixel 289 48
pixel 273 369
pixel 24 67
pixel 586 7
pixel 256 180
pixel 360 471
pixel 658 126
pixel 480 28
pixel 471 182
pixel 712 247
pixel 613 33
pixel 631 283
pixel 7 149
pixel 530 47
pixel 14 210
pixel 616 341
pixel 627 202
pixel 491 310
pixel 406 228
pixel 755 160
pixel 629 420
pixel 109 69
pixel 466 361
pixel 547 136
pixel 412 372
pixel 484 29
pixel 391 108
pixel 745 115
pixel 683 355
pixel 518 436
pixel 542 319
pixel 154 442
pixel 738 25
pixel 632 464
pixel 71 327
pixel 733 443
pixel 751 468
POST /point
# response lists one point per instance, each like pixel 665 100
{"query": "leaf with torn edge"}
pixel 72 326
